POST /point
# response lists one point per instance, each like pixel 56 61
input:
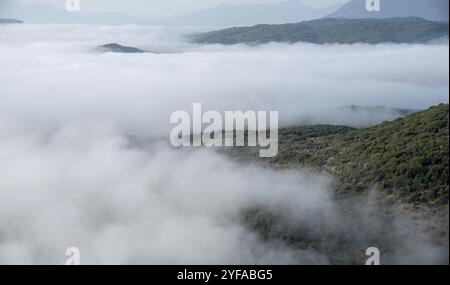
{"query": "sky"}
pixel 161 8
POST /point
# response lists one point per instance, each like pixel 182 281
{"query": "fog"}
pixel 84 187
pixel 88 186
pixel 70 175
pixel 51 74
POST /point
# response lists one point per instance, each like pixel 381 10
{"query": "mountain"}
pixel 10 21
pixel 407 159
pixel 40 13
pixel 236 15
pixel 435 10
pixel 342 31
pixel 391 188
pixel 116 48
pixel 354 116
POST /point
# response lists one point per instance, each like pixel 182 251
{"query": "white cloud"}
pixel 51 73
pixel 83 187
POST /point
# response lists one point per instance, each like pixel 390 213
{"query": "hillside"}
pixel 342 31
pixel 116 48
pixel 10 21
pixel 435 10
pixel 391 192
pixel 407 159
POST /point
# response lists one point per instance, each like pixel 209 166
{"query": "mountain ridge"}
pixel 434 10
pixel 10 21
pixel 237 15
pixel 332 30
pixel 43 13
pixel 407 158
pixel 389 175
pixel 117 48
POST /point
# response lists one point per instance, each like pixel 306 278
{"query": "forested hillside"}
pixel 329 30
pixel 407 159
pixel 391 191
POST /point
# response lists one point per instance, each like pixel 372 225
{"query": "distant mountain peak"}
pixel 435 10
pixel 332 30
pixel 117 48
pixel 45 13
pixel 251 14
pixel 223 4
pixel 10 21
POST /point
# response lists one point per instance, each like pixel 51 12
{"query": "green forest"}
pixel 407 158
pixel 404 161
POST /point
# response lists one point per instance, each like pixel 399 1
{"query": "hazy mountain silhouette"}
pixel 232 15
pixel 329 30
pixel 436 10
pixel 10 21
pixel 116 48
pixel 40 13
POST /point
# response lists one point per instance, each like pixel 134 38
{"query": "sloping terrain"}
pixel 435 10
pixel 341 31
pixel 114 47
pixel 10 21
pixel 391 190
pixel 227 15
pixel 406 158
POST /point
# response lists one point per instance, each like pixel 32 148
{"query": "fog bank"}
pixel 51 74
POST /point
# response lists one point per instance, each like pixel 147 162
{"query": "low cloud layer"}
pixel 82 186
pixel 69 175
pixel 51 74
pixel 90 187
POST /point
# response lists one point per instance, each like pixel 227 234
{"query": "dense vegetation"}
pixel 10 21
pixel 329 30
pixel 404 162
